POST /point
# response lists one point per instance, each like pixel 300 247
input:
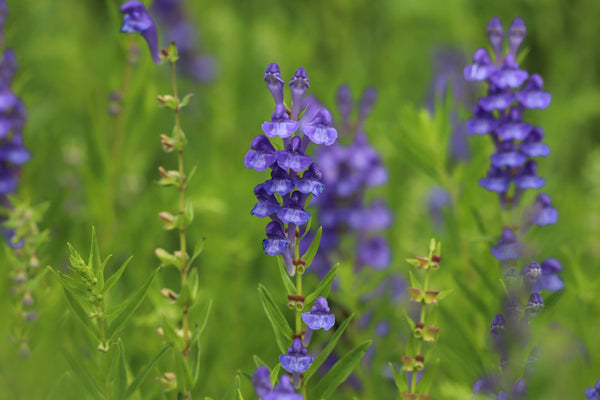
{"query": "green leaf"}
pixel 184 375
pixel 425 383
pixel 140 377
pixel 324 285
pixel 171 335
pixel 443 294
pixel 258 361
pixel 117 377
pixel 290 288
pixel 411 323
pixel 114 277
pixel 339 372
pixel 91 385
pixel 327 350
pixel 188 212
pixel 132 304
pixel 70 284
pixel 194 360
pixel 314 247
pixel 82 315
pixel 186 99
pixel 197 250
pixel 281 327
pixel 414 282
pixel 94 261
pixel 204 321
pixel 274 374
pixel 307 228
pixel 238 387
pixel 192 173
pixel 173 53
pixel 400 383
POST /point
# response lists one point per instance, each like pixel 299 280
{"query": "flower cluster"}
pixel 178 29
pixel 137 20
pixel 348 172
pixel 511 91
pixel 294 175
pixel 13 153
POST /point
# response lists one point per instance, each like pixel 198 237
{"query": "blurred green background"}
pixel 71 56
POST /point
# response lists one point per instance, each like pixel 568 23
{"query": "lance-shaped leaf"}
pixel 197 250
pixel 83 316
pixel 143 373
pixel 317 362
pixel 194 360
pixel 117 377
pixel 202 326
pixel 94 261
pixel 71 285
pixel 185 380
pixel 92 386
pixel 401 384
pixel 324 285
pixel 132 304
pixel 258 361
pixel 314 247
pixel 114 277
pixel 339 372
pixel 281 327
pixel 285 277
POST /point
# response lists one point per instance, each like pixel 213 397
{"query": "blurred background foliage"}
pixel 71 57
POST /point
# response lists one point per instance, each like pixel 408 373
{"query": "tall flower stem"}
pixel 413 386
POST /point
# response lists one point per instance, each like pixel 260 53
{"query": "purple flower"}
pixel 534 305
pixel 593 393
pixel 495 34
pixel 497 180
pixel 482 124
pixel 527 178
pixel 542 213
pixel 280 182
pixel 374 252
pixel 284 391
pixel 532 95
pixel 262 382
pixel 319 317
pixel 550 279
pixel 310 181
pixel 298 85
pixel 276 241
pixel 482 67
pixel 262 155
pixel 532 146
pixel 267 203
pixel 531 273
pixel 319 130
pixel 280 124
pixel 292 157
pixel 293 211
pixel 137 20
pixel 274 82
pixel 508 247
pixel 296 359
pixel 508 156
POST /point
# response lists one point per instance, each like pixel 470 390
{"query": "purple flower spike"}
pixel 299 85
pixel 262 382
pixel 137 20
pixel 508 247
pixel 280 182
pixel 292 157
pixel 293 211
pixel 496 181
pixel 527 178
pixel 276 241
pixel 508 156
pixel 532 95
pixel 280 124
pixel 374 252
pixel 516 34
pixel 532 146
pixel 296 359
pixel 495 34
pixel 593 393
pixel 319 130
pixel 274 82
pixel 310 181
pixel 550 280
pixel 262 155
pixel 482 67
pixel 318 317
pixel 483 122
pixel 267 204
pixel 284 391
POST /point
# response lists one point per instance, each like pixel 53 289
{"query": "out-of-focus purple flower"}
pixel 137 20
pixel 284 391
pixel 319 317
pixel 508 247
pixel 542 213
pixel 262 382
pixel 531 274
pixel 534 305
pixel 550 279
pixel 172 16
pixel 374 252
pixel 593 393
pixel 296 359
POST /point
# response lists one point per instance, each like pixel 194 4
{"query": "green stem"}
pixel 420 340
pixel 182 230
pixel 298 312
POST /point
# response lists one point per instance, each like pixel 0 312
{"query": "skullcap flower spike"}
pixel 137 20
pixel 296 359
pixel 319 317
